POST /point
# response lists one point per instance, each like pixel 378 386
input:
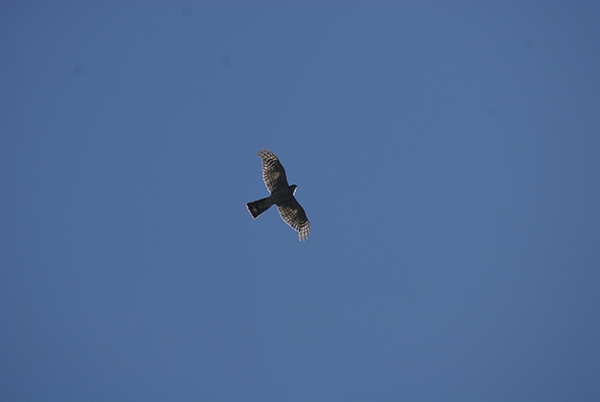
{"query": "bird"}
pixel 282 195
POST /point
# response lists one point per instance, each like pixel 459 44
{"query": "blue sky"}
pixel 445 154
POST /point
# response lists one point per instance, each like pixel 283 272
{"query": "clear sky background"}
pixel 447 156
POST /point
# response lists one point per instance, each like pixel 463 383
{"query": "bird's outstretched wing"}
pixel 273 172
pixel 293 214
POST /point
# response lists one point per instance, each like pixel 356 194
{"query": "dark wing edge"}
pixel 272 171
pixel 293 214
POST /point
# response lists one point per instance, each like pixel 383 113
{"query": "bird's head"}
pixel 293 188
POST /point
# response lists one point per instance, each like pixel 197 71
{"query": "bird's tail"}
pixel 259 206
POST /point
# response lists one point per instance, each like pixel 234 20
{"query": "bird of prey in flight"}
pixel 282 195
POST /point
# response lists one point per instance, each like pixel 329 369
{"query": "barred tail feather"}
pixel 258 207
